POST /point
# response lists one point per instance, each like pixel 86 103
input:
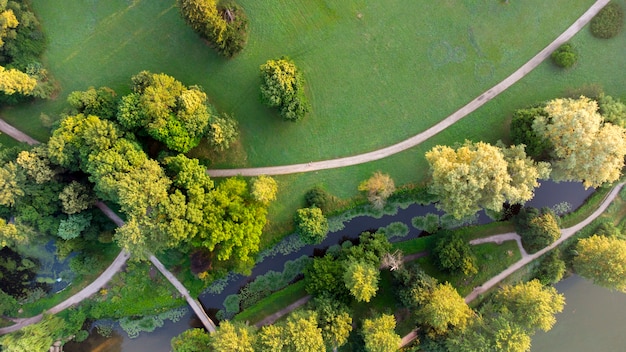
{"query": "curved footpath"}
pixel 526 258
pixel 421 137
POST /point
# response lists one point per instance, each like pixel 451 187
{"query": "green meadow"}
pixel 377 72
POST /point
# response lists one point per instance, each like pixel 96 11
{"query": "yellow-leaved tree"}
pixel 585 148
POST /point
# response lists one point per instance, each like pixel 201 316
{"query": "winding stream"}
pixel 548 194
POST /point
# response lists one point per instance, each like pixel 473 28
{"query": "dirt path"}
pixel 498 239
pixel 16 134
pixel 421 137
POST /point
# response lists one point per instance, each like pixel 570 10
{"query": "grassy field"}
pixel 362 71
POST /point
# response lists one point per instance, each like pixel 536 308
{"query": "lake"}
pixel 593 320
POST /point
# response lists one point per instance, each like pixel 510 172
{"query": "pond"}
pixel 593 320
pixel 549 194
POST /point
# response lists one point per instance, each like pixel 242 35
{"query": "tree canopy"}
pixel 379 334
pixel 282 87
pixel 361 279
pixel 603 260
pixel 445 309
pixel 378 188
pixel 480 175
pixel 585 148
pixel 311 225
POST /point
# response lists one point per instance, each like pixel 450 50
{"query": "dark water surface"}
pixel 549 194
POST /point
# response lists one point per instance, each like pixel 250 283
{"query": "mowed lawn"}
pixel 377 73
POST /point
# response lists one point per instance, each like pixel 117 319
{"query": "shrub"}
pixel 565 56
pixel 453 254
pixel 551 269
pixel 608 22
pixel 318 197
pixel 282 87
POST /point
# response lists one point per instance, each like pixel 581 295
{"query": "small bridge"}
pixel 195 305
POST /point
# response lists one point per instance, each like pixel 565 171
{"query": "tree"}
pixel 551 269
pixel 522 132
pixel 584 148
pixel 167 110
pixel 8 305
pixel 445 308
pixel 76 197
pixel 318 197
pixel 334 320
pixel 37 164
pixel 361 278
pixel 608 22
pixel 270 338
pixel 191 340
pixel 613 110
pixel 101 102
pixel 489 334
pixel 453 254
pixel 8 21
pixel 603 260
pixel 36 337
pixel 222 132
pixel 378 188
pixel 264 189
pixel 320 277
pixel 282 87
pixel 379 334
pixel 302 333
pixel 530 305
pixel 311 225
pixel 538 229
pixel 10 235
pixel 11 183
pixel 565 56
pixel 476 175
pixel 233 337
pixel 15 81
pixel 74 226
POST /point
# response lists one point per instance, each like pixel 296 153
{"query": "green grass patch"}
pixel 272 304
pixel 492 259
pixel 591 204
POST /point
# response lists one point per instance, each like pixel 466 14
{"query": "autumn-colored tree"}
pixel 37 164
pixel 584 147
pixel 76 197
pixel 445 309
pixel 270 338
pixel 10 235
pixel 14 81
pixel 479 175
pixel 233 337
pixel 282 87
pixel 361 278
pixel 264 189
pixel 530 305
pixel 11 184
pixel 379 334
pixel 191 340
pixel 8 21
pixel 378 188
pixel 302 333
pixel 603 260
pixel 311 225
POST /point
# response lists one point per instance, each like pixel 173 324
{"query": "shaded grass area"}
pixel 272 303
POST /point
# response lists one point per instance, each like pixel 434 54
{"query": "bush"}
pixel 453 254
pixel 317 197
pixel 565 56
pixel 551 269
pixel 282 87
pixel 608 22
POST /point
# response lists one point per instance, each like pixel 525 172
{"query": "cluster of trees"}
pixel 21 45
pixel 575 138
pixel 480 175
pixel 225 26
pixel 282 87
pixel 505 322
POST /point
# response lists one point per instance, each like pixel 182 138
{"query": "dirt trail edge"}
pixel 421 137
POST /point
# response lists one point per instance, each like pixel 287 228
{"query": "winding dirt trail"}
pixel 421 137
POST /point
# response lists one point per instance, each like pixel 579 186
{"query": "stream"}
pixel 548 194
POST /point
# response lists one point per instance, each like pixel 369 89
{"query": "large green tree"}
pixel 445 309
pixel 311 225
pixel 282 87
pixel 603 260
pixel 480 175
pixel 585 148
pixel 302 333
pixel 192 340
pixel 453 254
pixel 538 228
